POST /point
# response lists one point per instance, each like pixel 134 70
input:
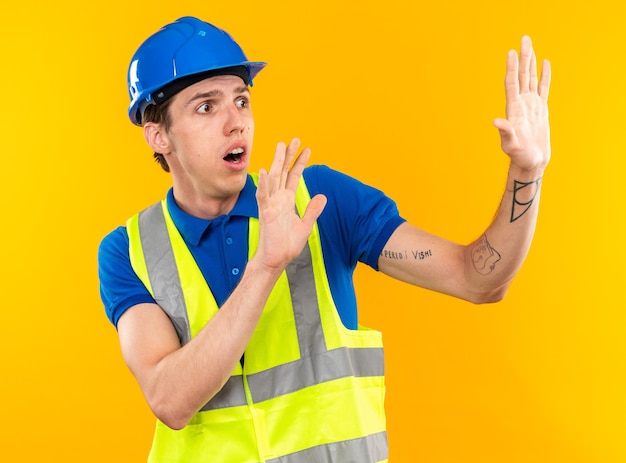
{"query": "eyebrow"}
pixel 216 93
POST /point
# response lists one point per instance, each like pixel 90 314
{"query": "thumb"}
pixel 507 132
pixel 314 209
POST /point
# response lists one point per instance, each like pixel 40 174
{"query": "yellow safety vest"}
pixel 310 390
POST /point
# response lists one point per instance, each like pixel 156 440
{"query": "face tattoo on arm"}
pixel 484 257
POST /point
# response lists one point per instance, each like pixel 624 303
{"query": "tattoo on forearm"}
pixel 484 257
pixel 524 194
pixel 406 255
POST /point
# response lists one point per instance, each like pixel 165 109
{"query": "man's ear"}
pixel 156 137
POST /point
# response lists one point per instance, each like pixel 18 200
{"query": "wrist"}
pixel 257 268
pixel 524 174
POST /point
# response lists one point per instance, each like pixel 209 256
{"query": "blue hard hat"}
pixel 182 53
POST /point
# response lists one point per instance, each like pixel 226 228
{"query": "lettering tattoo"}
pixel 406 255
pixel 524 194
pixel 484 256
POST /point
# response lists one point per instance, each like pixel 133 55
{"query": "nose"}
pixel 235 122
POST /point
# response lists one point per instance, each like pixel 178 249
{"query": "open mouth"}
pixel 234 156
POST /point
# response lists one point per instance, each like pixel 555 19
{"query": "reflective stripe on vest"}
pixel 316 366
pixel 359 450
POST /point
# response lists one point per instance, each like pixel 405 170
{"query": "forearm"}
pixel 493 260
pixel 181 382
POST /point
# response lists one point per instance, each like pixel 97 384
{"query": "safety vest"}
pixel 309 391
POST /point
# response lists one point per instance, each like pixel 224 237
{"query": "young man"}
pixel 233 297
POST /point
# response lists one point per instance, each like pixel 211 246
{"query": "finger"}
pixel 546 76
pixel 524 64
pixel 532 83
pixel 261 191
pixel 508 137
pixel 313 210
pixel 275 173
pixel 292 150
pixel 501 124
pixel 511 81
pixel 296 170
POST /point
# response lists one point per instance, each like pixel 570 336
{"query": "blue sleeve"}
pixel 120 288
pixel 357 218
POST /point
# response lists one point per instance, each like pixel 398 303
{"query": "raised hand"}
pixel 283 233
pixel 525 133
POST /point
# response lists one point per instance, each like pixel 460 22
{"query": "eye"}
pixel 242 102
pixel 205 108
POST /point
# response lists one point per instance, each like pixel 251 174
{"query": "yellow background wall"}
pixel 400 94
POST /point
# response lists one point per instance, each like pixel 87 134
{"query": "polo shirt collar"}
pixel 192 228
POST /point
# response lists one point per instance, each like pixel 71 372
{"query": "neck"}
pixel 204 207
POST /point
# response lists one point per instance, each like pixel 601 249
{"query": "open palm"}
pixel 525 133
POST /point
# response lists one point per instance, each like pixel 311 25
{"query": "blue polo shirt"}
pixel 354 227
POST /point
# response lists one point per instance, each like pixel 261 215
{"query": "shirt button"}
pixel 229 240
pixel 235 271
